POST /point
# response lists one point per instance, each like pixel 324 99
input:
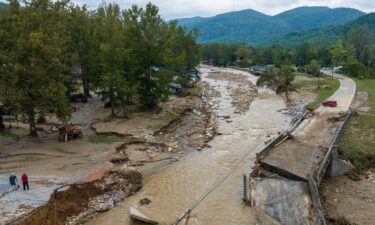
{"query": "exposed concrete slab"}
pixel 286 201
pixel 138 215
pixel 338 167
pixel 261 217
pixel 302 154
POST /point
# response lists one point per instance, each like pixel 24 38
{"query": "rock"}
pixel 144 201
pixel 54 129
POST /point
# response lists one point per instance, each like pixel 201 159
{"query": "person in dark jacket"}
pixel 25 181
pixel 13 182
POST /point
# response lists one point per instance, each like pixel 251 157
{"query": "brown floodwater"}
pixel 216 170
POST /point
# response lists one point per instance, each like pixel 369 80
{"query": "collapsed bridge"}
pixel 284 184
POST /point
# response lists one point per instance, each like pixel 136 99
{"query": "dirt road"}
pixel 222 163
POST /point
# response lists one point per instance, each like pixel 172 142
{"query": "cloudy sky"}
pixel 171 9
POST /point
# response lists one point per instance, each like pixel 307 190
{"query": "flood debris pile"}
pixel 189 128
pixel 242 90
pixel 76 203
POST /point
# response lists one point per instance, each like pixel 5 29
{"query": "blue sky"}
pixel 171 9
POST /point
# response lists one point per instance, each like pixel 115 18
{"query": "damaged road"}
pixel 302 156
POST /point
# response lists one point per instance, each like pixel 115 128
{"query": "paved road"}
pixel 344 95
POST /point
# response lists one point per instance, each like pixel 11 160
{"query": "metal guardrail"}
pixel 298 121
pixel 270 146
pixel 314 192
pixel 281 138
pixel 323 167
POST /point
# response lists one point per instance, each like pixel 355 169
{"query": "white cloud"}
pixel 171 9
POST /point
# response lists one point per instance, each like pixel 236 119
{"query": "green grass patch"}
pixel 239 68
pixel 195 91
pixel 106 139
pixel 358 141
pixel 7 134
pixel 328 87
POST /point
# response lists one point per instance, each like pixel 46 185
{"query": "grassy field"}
pixel 246 69
pixel 358 141
pixel 328 87
pixel 104 139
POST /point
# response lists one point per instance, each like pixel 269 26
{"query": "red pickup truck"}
pixel 330 103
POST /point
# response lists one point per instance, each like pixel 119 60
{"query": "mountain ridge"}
pixel 256 28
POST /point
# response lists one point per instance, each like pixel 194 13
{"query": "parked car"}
pixel 259 70
pixel 175 88
pixel 338 69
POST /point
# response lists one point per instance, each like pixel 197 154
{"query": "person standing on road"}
pixel 13 181
pixel 25 181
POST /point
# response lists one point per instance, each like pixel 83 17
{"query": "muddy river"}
pixel 216 170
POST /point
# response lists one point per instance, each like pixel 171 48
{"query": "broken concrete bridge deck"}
pixel 304 152
pixel 301 157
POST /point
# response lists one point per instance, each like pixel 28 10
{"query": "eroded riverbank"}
pixel 179 186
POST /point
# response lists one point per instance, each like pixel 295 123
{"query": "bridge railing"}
pixel 327 159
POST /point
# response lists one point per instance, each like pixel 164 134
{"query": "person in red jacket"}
pixel 25 181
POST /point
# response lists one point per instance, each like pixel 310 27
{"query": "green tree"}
pixel 303 55
pixel 244 54
pixel 185 52
pixel 278 79
pixel 111 84
pixel 37 64
pixel 338 53
pixel 360 39
pixel 84 46
pixel 149 45
pixel 314 69
pixel 355 69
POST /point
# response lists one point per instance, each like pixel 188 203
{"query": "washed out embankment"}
pixel 180 126
pixel 74 204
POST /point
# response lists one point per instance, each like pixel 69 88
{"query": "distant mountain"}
pixel 3 5
pixel 249 26
pixel 304 18
pixel 327 35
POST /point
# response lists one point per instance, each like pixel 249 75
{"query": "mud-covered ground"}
pixel 241 89
pixel 347 201
pixel 350 199
pixel 212 177
pixel 145 141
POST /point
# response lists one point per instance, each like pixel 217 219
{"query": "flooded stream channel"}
pixel 179 186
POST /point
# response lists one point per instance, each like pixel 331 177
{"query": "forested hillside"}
pixel 255 28
pixel 328 35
